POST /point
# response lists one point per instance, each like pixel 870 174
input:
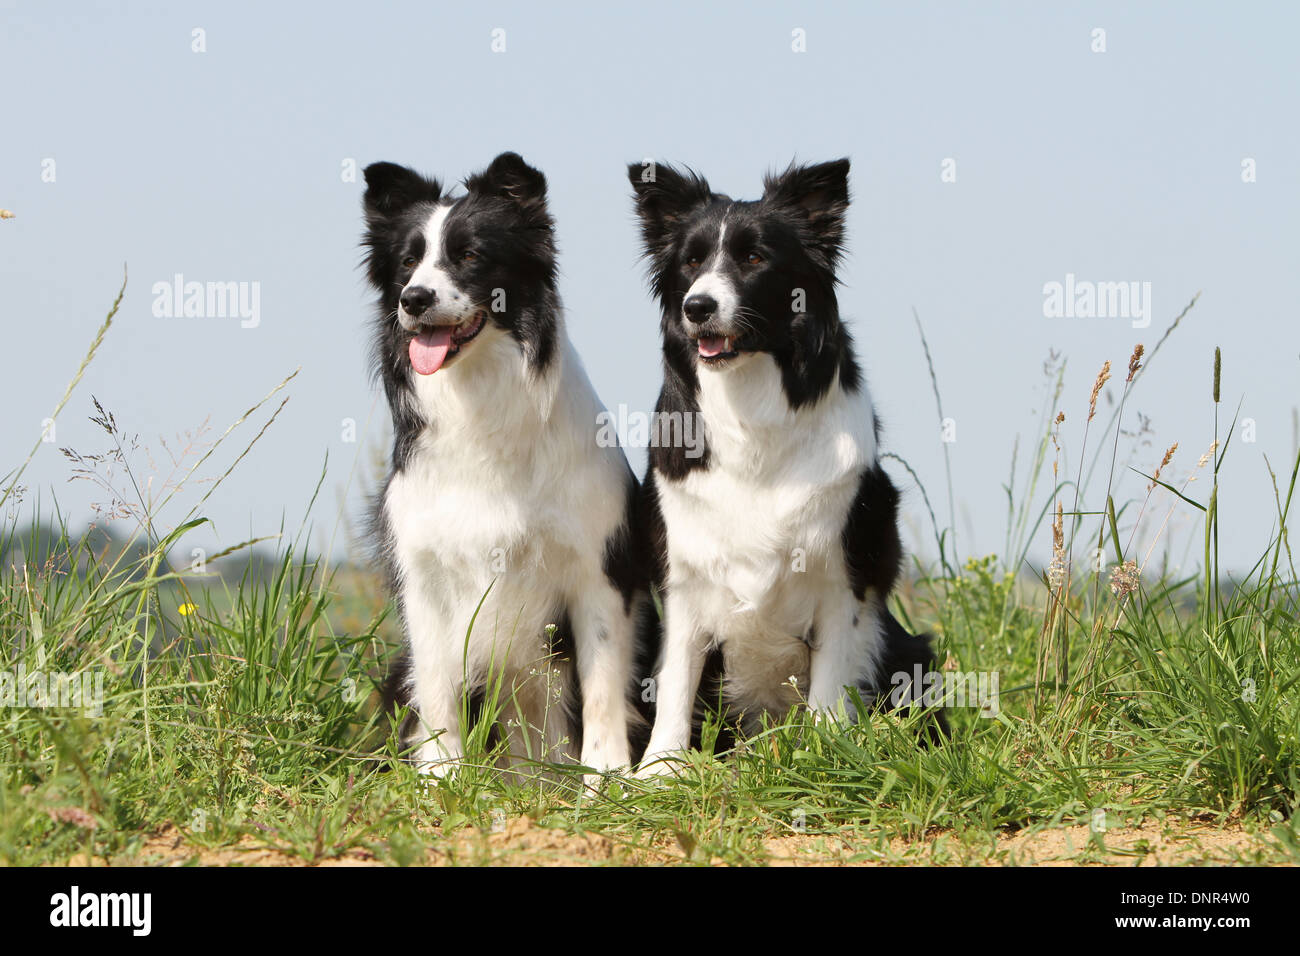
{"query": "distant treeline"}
pixel 42 546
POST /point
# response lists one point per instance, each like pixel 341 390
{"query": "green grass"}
pixel 242 712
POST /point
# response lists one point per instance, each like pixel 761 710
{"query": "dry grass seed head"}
pixel 1161 467
pixel 1134 362
pixel 1102 378
pixel 1124 579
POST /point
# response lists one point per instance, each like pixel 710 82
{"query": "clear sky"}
pixel 229 165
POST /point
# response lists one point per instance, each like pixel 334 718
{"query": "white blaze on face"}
pixel 716 284
pixel 450 302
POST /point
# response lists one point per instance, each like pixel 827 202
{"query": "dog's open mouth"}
pixel 716 349
pixel 429 350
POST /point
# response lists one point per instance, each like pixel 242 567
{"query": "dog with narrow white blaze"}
pixel 775 548
pixel 504 526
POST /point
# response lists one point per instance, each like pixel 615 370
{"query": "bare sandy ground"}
pixel 522 842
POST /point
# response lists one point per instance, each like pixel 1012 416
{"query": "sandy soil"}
pixel 521 842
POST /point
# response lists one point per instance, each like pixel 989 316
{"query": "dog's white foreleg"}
pixel 848 641
pixel 676 685
pixel 604 636
pixel 437 679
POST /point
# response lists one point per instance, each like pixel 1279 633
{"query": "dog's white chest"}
pixel 752 556
pixel 455 539
pixel 508 500
pixel 756 535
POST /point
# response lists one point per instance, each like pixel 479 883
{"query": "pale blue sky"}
pixel 225 166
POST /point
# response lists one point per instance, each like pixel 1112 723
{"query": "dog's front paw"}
pixel 831 714
pixel 605 754
pixel 595 782
pixel 435 767
pixel 654 766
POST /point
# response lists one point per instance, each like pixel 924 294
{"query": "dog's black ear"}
pixel 663 196
pixel 391 188
pixel 821 193
pixel 509 177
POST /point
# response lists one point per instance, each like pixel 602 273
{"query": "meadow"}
pixel 230 714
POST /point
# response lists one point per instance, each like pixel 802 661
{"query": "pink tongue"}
pixel 711 345
pixel 429 351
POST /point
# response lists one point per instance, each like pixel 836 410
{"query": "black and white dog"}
pixel 498 491
pixel 775 549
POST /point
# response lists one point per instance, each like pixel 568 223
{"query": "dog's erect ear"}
pixel 509 177
pixel 391 188
pixel 663 196
pixel 821 193
pixel 820 190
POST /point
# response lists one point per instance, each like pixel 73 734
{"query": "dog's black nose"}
pixel 700 308
pixel 417 299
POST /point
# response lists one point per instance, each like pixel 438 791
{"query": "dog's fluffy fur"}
pixel 497 485
pixel 774 550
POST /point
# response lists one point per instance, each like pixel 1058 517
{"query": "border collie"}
pixel 504 527
pixel 775 549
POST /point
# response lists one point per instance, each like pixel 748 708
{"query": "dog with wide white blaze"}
pixel 504 526
pixel 775 548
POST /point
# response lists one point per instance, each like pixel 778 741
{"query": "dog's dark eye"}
pixel 693 262
pixel 753 258
pixel 409 262
pixel 468 255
